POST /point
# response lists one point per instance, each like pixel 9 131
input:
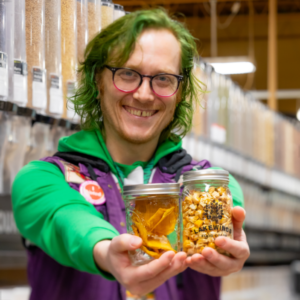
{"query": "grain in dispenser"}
pixel 94 18
pixel 69 53
pixel 20 62
pixel 35 50
pixel 53 57
pixel 118 11
pixel 82 28
pixel 107 13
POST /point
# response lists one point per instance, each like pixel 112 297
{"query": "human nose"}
pixel 144 92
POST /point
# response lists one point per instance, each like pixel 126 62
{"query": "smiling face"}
pixel 140 117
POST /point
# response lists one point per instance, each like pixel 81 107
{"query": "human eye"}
pixel 163 80
pixel 127 74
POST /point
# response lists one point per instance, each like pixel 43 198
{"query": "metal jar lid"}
pixel 152 189
pixel 207 174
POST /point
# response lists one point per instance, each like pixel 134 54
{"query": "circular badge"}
pixel 92 192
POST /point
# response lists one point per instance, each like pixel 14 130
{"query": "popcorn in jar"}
pixel 152 213
pixel 206 210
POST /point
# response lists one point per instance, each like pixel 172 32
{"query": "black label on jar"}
pixel 20 67
pixel 3 60
pixel 54 81
pixel 37 74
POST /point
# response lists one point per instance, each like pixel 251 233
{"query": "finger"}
pixel 200 264
pixel 153 268
pixel 238 249
pixel 238 217
pixel 125 242
pixel 220 261
pixel 178 265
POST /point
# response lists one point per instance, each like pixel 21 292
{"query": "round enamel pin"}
pixel 92 192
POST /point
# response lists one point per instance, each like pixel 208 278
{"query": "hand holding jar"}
pixel 212 229
pixel 148 256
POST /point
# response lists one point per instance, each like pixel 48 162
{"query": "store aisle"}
pixel 259 283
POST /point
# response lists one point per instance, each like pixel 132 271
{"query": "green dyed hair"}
pixel 119 38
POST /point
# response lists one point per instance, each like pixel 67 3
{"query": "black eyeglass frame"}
pixel 114 70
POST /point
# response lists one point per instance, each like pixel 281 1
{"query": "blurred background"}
pixel 246 120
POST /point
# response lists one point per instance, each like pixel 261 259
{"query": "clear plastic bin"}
pixel 107 13
pixel 6 49
pixel 4 130
pixel 94 18
pixel 82 28
pixel 19 135
pixel 206 210
pixel 152 213
pixel 39 138
pixel 118 11
pixel 53 58
pixel 69 53
pixel 20 62
pixel 35 50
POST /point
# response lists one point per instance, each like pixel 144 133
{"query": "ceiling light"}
pixel 231 65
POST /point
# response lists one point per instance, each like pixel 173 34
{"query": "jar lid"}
pixel 207 174
pixel 152 189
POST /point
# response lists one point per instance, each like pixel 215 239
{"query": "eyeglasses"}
pixel 128 81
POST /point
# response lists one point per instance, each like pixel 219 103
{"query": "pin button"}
pixel 122 224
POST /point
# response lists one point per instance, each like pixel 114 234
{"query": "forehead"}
pixel 156 51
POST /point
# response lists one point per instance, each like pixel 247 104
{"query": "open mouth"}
pixel 140 113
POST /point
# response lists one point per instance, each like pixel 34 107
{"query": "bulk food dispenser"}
pixel 17 142
pixel 20 62
pixel 107 13
pixel 69 55
pixel 94 18
pixel 118 11
pixel 82 28
pixel 6 79
pixel 53 58
pixel 35 49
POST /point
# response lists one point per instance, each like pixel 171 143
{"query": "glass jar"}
pixel 152 213
pixel 107 13
pixel 35 50
pixel 53 57
pixel 20 64
pixel 206 210
pixel 118 11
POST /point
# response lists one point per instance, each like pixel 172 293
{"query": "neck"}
pixel 126 152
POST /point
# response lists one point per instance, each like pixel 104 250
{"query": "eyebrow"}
pixel 158 72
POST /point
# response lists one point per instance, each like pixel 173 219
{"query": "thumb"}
pixel 125 242
pixel 238 216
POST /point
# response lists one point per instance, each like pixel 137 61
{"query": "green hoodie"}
pixel 57 218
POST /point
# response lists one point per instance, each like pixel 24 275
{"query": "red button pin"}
pixel 92 192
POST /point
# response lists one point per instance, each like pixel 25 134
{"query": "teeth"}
pixel 140 113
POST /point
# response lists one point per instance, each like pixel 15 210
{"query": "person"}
pixel 135 100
